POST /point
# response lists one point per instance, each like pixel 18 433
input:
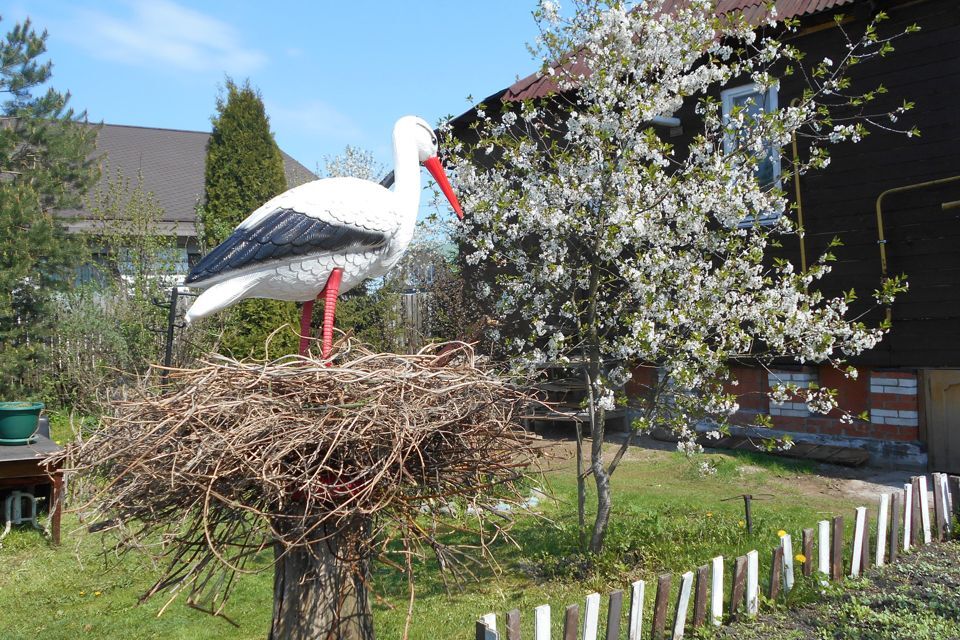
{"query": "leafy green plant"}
pixel 110 323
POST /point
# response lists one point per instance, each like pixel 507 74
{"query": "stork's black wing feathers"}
pixel 282 234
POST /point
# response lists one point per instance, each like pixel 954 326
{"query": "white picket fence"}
pixel 903 521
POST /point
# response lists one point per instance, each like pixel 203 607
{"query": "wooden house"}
pixel 894 201
pixel 171 163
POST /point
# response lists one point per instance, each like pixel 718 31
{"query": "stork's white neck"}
pixel 406 169
pixel 406 180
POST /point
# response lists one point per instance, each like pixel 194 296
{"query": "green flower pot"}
pixel 18 422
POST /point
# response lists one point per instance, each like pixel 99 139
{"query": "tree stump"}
pixel 319 591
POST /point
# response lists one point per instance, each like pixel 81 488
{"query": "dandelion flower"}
pixel 709 514
pixel 83 593
pixel 741 524
pixel 781 533
pixel 97 593
pixel 800 558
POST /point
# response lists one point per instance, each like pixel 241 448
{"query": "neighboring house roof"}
pixel 172 164
pixel 537 85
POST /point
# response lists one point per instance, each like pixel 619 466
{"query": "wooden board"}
pixel 700 596
pixel 896 517
pixel 613 614
pixel 513 624
pixel 683 604
pixel 865 544
pixel 807 551
pixel 571 622
pixel 483 632
pixel 836 557
pixel 660 605
pixel 940 513
pixel 776 563
pixel 739 583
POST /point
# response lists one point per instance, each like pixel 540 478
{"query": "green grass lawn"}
pixel 668 518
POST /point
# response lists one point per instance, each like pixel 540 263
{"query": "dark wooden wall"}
pixel 923 241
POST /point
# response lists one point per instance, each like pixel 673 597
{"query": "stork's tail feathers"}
pixel 220 296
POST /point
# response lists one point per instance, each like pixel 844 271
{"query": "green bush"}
pixel 244 169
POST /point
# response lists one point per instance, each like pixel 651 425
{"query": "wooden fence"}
pixel 903 521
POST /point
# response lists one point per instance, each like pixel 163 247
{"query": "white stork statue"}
pixel 323 237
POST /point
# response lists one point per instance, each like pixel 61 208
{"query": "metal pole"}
pixel 171 324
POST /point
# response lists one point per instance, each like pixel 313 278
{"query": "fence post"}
pixel 542 622
pixel 571 620
pixel 660 605
pixel 483 632
pixel 807 551
pixel 924 510
pixel 753 583
pixel 513 624
pixel 823 547
pixel 787 543
pixel 836 557
pixel 683 603
pixel 939 507
pixel 614 609
pixel 591 617
pixel 776 562
pixel 908 530
pixel 883 525
pixel 947 503
pixel 490 620
pixel 700 596
pixel 860 524
pixel 636 610
pixel 739 581
pixel 865 545
pixel 716 591
pixel 895 520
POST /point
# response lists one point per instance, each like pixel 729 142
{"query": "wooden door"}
pixel 943 419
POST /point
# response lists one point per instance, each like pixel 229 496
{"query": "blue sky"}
pixel 331 73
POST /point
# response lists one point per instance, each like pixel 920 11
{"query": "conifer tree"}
pixel 45 164
pixel 244 169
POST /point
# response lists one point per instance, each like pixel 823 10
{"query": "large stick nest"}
pixel 232 457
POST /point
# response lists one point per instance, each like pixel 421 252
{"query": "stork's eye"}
pixel 433 138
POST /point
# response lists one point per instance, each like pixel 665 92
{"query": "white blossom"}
pixel 588 221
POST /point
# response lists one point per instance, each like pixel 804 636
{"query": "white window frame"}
pixel 727 96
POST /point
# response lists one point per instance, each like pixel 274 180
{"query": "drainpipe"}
pixel 882 242
pixel 796 188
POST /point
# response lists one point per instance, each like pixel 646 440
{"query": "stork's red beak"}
pixel 436 170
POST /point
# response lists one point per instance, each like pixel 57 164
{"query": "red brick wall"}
pixel 889 399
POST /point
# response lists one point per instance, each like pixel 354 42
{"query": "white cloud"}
pixel 164 33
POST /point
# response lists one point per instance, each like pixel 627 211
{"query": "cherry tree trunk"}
pixel 602 480
pixel 319 593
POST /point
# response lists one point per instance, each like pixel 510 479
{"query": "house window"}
pixel 754 100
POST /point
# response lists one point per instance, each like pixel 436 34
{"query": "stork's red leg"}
pixel 330 293
pixel 305 320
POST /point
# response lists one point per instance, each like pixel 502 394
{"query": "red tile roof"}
pixel 755 11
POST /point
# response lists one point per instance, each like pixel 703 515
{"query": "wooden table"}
pixel 22 465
